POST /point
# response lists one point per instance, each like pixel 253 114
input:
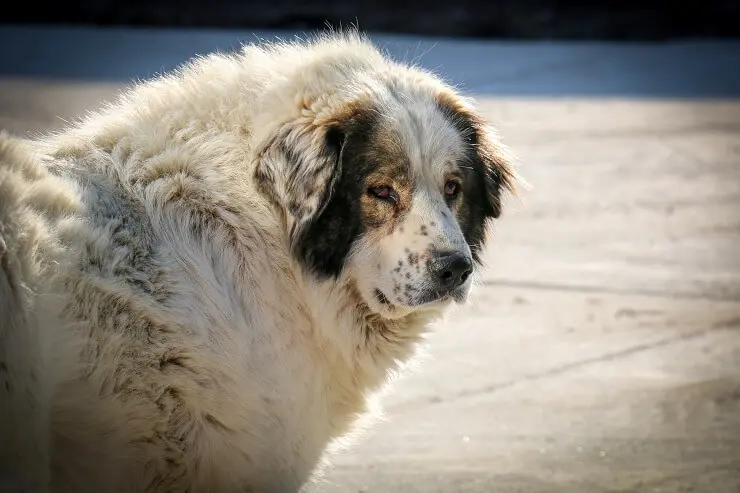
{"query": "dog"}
pixel 204 283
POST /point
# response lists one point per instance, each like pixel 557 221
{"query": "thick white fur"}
pixel 154 322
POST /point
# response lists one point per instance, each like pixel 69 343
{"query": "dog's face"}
pixel 396 196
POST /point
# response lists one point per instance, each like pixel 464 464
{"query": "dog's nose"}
pixel 452 269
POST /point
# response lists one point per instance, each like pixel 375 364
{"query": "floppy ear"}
pixel 486 155
pixel 488 166
pixel 297 169
pixel 494 165
pixel 300 170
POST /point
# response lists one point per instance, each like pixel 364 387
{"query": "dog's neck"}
pixel 367 344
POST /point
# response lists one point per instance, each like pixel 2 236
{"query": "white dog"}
pixel 202 284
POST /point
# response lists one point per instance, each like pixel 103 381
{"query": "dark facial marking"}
pixel 366 157
pixel 324 243
pixel 485 173
pixel 387 166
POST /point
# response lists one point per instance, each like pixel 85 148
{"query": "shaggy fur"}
pixel 202 285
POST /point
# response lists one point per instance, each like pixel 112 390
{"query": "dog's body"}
pixel 203 284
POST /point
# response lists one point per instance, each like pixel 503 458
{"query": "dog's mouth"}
pixel 427 298
pixel 458 295
pixel 382 298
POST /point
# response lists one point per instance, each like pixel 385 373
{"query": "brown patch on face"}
pixel 366 153
pixel 320 182
pixel 389 166
pixel 347 113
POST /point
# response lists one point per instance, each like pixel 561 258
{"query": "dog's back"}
pixel 23 398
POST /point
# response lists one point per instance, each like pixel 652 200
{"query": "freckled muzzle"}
pixel 447 277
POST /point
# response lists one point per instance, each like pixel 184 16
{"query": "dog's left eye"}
pixel 384 193
pixel 452 188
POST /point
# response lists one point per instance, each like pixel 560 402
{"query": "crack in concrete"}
pixel 731 324
pixel 653 293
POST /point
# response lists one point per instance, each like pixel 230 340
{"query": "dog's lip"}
pixel 428 298
pixel 382 298
pixel 460 293
pixel 457 295
pixel 434 297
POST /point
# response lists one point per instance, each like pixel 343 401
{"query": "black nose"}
pixel 452 269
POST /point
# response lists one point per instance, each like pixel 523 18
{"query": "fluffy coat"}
pixel 185 278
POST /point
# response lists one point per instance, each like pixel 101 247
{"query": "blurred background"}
pixel 601 349
pixel 611 19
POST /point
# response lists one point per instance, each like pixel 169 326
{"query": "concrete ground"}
pixel 601 352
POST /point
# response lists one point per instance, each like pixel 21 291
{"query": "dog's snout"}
pixel 452 269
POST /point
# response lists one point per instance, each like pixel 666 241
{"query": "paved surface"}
pixel 602 350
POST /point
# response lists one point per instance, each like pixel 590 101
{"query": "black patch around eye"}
pixel 325 242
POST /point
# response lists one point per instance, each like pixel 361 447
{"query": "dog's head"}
pixel 393 188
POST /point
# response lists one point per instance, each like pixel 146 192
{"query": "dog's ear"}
pixel 493 164
pixel 489 166
pixel 300 171
pixel 297 170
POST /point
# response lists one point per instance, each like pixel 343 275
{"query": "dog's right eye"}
pixel 384 192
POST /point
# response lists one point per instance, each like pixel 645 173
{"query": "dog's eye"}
pixel 452 188
pixel 384 192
